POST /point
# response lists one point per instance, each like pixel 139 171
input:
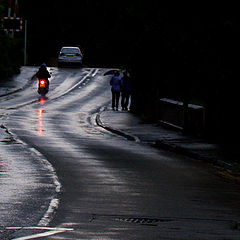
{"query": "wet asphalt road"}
pixel 63 177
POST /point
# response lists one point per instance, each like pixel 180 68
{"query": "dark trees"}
pixel 10 49
pixel 189 54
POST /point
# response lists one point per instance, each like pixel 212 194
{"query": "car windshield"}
pixel 70 50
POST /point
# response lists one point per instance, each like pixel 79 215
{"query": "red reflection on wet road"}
pixel 40 117
pixel 40 112
pixel 40 122
pixel 42 101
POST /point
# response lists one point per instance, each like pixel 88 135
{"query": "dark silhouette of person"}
pixel 115 82
pixel 125 91
pixel 43 73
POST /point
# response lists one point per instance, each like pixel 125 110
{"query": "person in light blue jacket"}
pixel 115 82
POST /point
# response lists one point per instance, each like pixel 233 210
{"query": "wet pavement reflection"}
pixel 40 117
pixel 68 173
pixel 40 122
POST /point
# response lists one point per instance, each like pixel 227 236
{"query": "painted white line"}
pixel 53 205
pixel 40 235
pixel 40 228
pixel 95 72
pixel 54 202
pixel 82 80
pixel 49 166
pixel 51 231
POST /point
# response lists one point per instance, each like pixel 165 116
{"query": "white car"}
pixel 70 55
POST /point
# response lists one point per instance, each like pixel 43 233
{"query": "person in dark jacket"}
pixel 125 90
pixel 115 82
pixel 43 73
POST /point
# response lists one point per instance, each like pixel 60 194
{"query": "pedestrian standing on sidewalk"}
pixel 115 82
pixel 125 91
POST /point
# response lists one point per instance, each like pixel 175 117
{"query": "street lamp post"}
pixel 25 43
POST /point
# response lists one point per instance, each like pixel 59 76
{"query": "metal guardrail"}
pixel 171 113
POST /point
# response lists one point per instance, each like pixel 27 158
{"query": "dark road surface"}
pixel 63 177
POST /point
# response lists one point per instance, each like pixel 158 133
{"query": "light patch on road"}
pixel 50 231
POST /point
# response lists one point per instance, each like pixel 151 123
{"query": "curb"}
pixel 113 130
pixel 157 144
pixel 222 166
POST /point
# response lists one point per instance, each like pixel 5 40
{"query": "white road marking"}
pixel 95 72
pixel 51 231
pixel 82 80
pixel 54 202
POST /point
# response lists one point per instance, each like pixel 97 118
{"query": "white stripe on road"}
pixel 51 231
pixel 53 205
pixel 95 72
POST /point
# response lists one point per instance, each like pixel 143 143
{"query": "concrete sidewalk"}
pixel 133 128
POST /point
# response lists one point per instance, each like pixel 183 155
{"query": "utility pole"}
pixel 15 24
pixel 25 43
pixel 9 8
pixel 11 34
pixel 15 8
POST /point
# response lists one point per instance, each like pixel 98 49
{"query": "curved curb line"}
pixel 55 198
pixel 171 147
pixel 113 130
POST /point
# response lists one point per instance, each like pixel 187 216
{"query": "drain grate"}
pixel 142 221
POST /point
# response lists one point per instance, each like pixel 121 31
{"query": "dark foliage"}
pixel 10 50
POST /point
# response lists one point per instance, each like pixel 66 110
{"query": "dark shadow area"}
pixel 186 54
